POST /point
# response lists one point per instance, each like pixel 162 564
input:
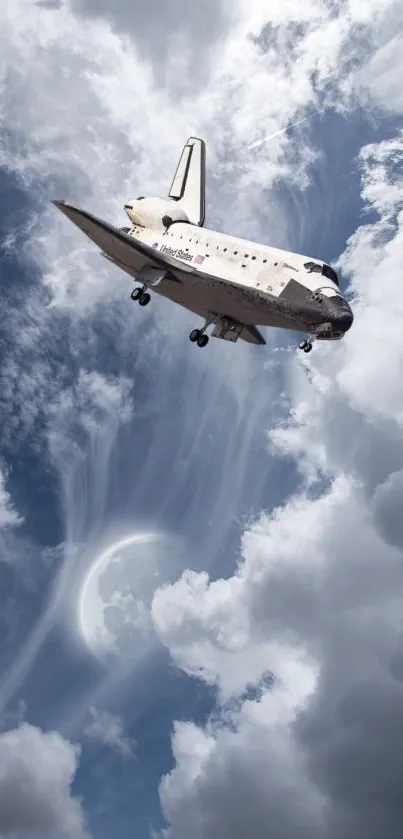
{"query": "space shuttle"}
pixel 232 285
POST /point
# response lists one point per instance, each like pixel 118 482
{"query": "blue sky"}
pixel 278 477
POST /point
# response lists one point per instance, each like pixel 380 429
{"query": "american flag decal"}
pixel 198 259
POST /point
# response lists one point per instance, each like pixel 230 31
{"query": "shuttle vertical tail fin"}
pixel 189 184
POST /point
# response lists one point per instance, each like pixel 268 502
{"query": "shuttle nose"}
pixel 340 313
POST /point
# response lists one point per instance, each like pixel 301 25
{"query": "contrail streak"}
pixel 258 143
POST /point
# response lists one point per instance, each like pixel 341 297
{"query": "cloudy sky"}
pixel 200 552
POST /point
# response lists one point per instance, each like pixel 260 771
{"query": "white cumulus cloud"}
pixel 36 773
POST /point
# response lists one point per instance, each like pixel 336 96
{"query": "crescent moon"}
pixel 90 606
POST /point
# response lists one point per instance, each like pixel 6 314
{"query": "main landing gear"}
pixel 305 345
pixel 198 336
pixel 141 295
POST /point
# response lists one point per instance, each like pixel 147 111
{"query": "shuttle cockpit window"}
pixel 330 273
pixel 313 267
pixel 325 270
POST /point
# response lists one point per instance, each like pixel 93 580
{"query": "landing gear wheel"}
pixel 144 298
pixel 202 341
pixel 305 345
pixel 136 293
pixel 195 335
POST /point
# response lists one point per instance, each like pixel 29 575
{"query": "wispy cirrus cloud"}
pixel 83 421
pixel 107 730
pixel 8 514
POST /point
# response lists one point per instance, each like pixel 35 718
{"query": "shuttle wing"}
pixel 189 184
pixel 128 253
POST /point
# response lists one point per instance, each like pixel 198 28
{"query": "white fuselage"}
pixel 235 260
